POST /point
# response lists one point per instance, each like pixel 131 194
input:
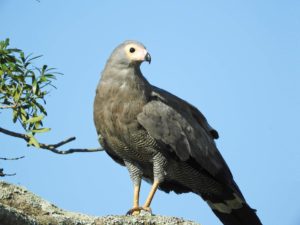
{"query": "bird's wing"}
pixel 177 102
pixel 185 130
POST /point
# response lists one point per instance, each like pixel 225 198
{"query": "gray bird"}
pixel 162 139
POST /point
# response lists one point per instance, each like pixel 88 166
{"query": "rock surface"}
pixel 18 206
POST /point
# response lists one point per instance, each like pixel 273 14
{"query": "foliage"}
pixel 23 89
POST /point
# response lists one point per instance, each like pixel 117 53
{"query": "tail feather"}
pixel 242 216
pixel 233 211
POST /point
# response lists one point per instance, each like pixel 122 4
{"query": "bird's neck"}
pixel 125 82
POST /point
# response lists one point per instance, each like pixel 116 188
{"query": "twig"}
pixel 16 158
pixel 6 174
pixel 51 147
pixel 8 106
pixel 14 134
pixel 72 150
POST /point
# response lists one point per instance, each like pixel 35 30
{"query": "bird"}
pixel 162 139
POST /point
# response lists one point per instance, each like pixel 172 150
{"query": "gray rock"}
pixel 18 206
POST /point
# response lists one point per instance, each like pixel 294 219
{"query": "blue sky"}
pixel 237 61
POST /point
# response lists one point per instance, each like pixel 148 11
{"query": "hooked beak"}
pixel 148 58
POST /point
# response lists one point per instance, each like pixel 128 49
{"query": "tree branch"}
pixel 19 206
pixel 8 106
pixel 52 147
pixel 14 134
pixel 2 174
pixel 16 158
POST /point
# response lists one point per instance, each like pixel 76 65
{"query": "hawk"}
pixel 162 139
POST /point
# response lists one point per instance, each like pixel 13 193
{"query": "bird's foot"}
pixel 137 211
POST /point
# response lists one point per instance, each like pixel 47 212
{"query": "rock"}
pixel 18 206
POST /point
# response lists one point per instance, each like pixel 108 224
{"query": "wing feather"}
pixel 181 126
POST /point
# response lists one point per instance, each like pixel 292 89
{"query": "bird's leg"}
pixel 146 207
pixel 159 168
pixel 136 195
pixel 136 177
pixel 150 196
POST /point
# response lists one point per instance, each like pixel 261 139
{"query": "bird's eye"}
pixel 132 50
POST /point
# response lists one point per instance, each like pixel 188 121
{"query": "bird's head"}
pixel 130 53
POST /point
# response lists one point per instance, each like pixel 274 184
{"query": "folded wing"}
pixel 185 130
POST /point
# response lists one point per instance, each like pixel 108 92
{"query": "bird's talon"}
pixel 148 209
pixel 137 210
pixel 134 211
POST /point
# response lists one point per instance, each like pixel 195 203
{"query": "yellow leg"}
pixel 136 208
pixel 136 196
pixel 150 196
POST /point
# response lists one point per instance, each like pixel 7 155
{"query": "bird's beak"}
pixel 148 58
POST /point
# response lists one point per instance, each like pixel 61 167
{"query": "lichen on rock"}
pixel 18 206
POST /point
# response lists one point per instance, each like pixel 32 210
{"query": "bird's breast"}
pixel 116 109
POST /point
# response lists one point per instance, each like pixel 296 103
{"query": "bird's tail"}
pixel 234 211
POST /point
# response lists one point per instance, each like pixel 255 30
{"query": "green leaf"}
pixel 26 85
pixel 22 56
pixel 17 96
pixel 42 78
pixel 15 115
pixel 41 108
pixel 5 43
pixel 23 115
pixel 33 141
pixel 33 58
pixel 34 86
pixel 42 130
pixel 44 68
pixel 35 119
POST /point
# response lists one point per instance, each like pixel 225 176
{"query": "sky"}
pixel 236 61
